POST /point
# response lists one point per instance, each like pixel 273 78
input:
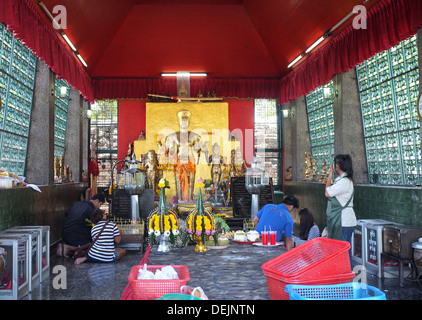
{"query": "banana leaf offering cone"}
pixel 200 222
pixel 161 220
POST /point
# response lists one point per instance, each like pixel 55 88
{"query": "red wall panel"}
pixel 241 116
pixel 131 122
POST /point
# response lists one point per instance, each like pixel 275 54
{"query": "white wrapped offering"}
pixel 160 275
pixel 145 274
pixel 170 272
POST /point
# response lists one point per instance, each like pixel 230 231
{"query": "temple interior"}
pixel 209 109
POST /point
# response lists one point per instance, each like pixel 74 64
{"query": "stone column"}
pixel 348 127
pixel 40 155
pixel 85 138
pixel 72 154
pixel 419 43
pixel 296 137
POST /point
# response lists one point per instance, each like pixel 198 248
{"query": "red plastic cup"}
pixel 273 237
pixel 264 236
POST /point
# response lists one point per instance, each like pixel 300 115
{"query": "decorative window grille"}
pixel 321 125
pixel 17 77
pixel 61 105
pixel 389 88
pixel 104 134
pixel 266 132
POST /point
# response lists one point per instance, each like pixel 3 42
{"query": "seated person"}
pixel 278 218
pixel 76 230
pixel 103 249
pixel 308 228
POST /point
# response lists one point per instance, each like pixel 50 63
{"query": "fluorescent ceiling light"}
pixel 190 74
pixel 49 15
pixel 295 61
pixel 81 59
pixel 315 44
pixel 68 41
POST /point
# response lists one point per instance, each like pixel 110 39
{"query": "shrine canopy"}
pixel 244 46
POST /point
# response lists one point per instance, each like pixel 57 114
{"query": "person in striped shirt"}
pixel 103 249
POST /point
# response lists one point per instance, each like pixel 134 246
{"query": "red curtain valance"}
pixel 27 25
pixel 388 23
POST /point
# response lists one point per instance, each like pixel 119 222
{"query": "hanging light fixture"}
pixel 295 61
pixel 190 74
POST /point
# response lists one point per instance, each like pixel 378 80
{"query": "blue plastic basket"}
pixel 342 291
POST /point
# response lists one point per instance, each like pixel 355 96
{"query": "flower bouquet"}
pixel 162 222
pixel 200 223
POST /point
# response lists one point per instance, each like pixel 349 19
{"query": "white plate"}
pixel 217 247
pixel 259 244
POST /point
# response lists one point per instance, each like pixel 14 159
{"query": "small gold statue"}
pixel 62 168
pixel 322 177
pixel 314 169
pixel 289 174
pixel 307 174
pixel 237 164
pixel 153 173
pixel 57 167
pixel 141 136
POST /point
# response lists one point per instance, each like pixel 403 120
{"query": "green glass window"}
pixel 17 77
pixel 61 104
pixel 388 88
pixel 267 146
pixel 320 108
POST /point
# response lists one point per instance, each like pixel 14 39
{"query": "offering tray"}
pixel 217 247
pixel 245 242
pixel 259 244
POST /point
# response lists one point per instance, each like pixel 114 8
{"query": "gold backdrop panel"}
pixel 208 120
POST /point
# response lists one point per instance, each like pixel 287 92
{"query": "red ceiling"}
pixel 225 38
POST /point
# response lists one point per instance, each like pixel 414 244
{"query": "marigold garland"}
pixel 200 221
pixel 162 221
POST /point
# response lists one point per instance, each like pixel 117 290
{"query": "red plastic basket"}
pixel 153 289
pixel 276 286
pixel 319 257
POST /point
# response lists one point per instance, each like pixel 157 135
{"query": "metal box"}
pixel 357 244
pixel 398 240
pixel 372 240
pixel 15 279
pixel 45 248
pixel 35 247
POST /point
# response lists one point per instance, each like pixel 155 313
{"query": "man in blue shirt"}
pixel 279 218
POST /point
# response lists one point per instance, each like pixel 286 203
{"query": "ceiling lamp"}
pixel 81 59
pixel 295 61
pixel 187 74
pixel 71 45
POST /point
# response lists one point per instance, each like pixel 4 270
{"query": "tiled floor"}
pixel 234 273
